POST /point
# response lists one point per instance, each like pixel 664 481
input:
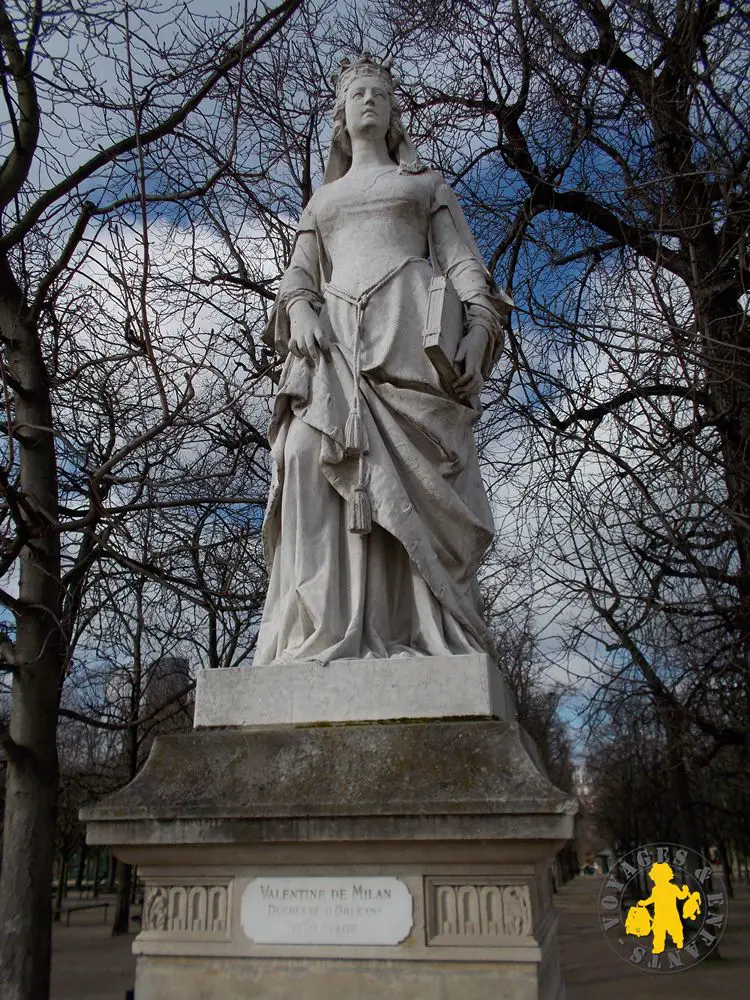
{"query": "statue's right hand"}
pixel 308 339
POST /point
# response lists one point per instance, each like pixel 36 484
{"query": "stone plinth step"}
pixel 368 690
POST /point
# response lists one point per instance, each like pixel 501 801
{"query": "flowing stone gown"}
pixel 408 587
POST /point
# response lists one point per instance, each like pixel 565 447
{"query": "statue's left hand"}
pixel 471 353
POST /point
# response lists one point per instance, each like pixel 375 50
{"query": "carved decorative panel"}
pixel 185 910
pixel 476 913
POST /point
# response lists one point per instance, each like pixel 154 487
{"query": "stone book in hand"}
pixel 444 328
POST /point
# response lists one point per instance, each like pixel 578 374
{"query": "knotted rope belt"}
pixel 355 438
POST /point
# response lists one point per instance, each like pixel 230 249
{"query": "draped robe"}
pixel 409 586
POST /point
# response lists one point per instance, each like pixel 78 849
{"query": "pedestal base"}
pixel 409 687
pixel 515 974
pixel 375 862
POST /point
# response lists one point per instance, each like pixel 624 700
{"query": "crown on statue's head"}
pixel 364 65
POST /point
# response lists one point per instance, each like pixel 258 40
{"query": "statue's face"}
pixel 368 107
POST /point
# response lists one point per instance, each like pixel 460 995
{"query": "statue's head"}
pixel 361 84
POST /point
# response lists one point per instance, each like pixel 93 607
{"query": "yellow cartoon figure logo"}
pixel 663 907
pixel 666 918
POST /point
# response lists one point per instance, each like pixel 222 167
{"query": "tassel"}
pixel 360 512
pixel 355 439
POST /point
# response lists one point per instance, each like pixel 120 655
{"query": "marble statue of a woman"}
pixel 378 517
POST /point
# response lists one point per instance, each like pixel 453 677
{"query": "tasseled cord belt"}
pixel 355 437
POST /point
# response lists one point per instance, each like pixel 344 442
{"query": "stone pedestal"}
pixel 414 687
pixel 379 861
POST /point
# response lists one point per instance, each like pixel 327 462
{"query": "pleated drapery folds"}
pixel 408 585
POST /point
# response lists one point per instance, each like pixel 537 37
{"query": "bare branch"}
pixel 258 36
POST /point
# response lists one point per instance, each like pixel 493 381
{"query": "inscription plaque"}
pixel 375 910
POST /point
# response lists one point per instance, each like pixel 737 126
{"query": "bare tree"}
pixel 106 113
pixel 538 702
pixel 603 154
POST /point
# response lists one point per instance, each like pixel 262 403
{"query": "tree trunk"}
pixel 726 866
pixel 32 769
pixel 680 781
pixel 213 639
pixel 112 872
pixel 61 881
pixel 121 924
pixel 28 855
pixel 97 873
pixel 81 866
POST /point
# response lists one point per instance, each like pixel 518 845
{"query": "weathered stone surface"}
pixel 285 979
pixel 456 811
pixel 383 775
pixel 418 687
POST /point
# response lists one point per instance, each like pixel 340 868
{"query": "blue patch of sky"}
pixel 572 714
pixel 492 195
pixel 249 514
pixel 7 622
